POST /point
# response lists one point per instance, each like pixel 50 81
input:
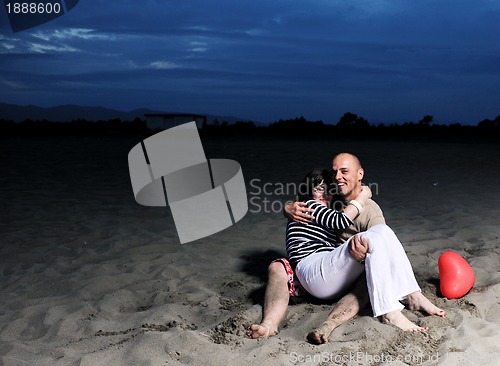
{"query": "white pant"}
pixel 389 274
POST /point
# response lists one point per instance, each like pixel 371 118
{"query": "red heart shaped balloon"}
pixel 456 275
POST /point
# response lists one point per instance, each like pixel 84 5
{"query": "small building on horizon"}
pixel 163 121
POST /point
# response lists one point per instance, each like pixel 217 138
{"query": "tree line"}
pixel 352 126
pixel 349 125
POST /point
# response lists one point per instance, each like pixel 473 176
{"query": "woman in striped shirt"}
pixel 326 270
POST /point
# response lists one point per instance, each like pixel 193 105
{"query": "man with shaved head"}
pixel 348 173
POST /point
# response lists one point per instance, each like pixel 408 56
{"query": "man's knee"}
pixel 277 271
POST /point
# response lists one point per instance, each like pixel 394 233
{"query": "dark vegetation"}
pixel 349 126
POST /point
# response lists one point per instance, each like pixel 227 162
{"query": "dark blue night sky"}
pixel 388 61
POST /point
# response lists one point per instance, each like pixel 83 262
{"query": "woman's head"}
pixel 317 185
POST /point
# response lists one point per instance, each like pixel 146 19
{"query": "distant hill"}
pixel 66 113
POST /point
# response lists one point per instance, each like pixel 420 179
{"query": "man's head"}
pixel 347 173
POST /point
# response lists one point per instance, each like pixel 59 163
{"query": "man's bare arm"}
pixel 298 211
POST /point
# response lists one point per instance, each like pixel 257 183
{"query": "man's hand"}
pixel 299 212
pixel 358 246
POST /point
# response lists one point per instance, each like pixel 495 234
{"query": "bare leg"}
pixel 275 303
pixel 345 309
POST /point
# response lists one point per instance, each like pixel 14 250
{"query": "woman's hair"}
pixel 312 180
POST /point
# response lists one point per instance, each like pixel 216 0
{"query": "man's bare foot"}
pixel 417 301
pixel 320 334
pixel 397 319
pixel 261 331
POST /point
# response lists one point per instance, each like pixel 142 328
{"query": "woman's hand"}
pixel 364 195
pixel 299 212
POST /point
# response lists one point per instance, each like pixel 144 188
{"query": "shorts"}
pixel 294 286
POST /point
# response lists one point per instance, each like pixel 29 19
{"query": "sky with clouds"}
pixel 386 60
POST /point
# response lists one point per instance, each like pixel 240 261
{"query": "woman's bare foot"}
pixel 320 335
pixel 261 331
pixel 397 319
pixel 417 301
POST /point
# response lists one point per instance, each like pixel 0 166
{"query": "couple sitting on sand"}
pixel 328 250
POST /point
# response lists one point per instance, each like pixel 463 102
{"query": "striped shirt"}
pixel 318 236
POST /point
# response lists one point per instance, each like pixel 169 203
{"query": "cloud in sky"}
pixel 390 61
pixel 162 65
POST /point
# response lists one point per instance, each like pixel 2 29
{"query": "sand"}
pixel 89 277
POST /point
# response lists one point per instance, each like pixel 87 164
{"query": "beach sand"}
pixel 90 277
